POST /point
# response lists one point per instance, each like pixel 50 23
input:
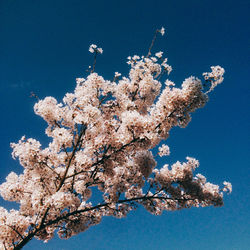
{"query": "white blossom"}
pixel 169 83
pixel 162 31
pixel 159 54
pixel 92 48
pixel 100 50
pixel 117 74
pixel 227 187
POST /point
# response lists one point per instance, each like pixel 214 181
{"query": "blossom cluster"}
pixel 102 136
pixel 93 48
pixel 164 150
pixel 215 77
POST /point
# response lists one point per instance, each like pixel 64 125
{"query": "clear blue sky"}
pixel 44 47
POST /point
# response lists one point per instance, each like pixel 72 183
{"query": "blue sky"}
pixel 44 47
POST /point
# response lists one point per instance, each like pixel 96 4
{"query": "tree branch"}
pixel 71 157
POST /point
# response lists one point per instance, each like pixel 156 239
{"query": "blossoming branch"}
pixel 102 135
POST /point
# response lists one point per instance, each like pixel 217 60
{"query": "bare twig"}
pixel 152 43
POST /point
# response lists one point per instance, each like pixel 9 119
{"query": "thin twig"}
pixel 32 94
pixel 152 44
pixel 71 157
pixel 94 63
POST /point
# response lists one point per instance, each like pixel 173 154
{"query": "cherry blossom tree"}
pixel 102 136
